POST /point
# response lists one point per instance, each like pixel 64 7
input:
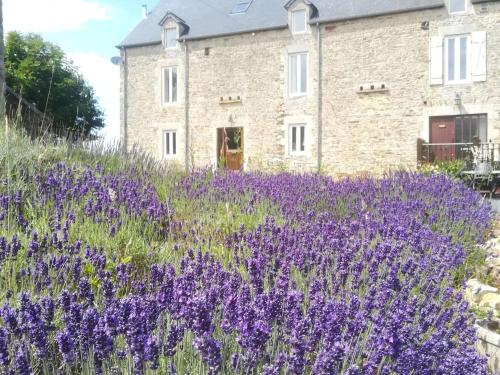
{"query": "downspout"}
pixel 186 102
pixel 320 101
pixel 124 124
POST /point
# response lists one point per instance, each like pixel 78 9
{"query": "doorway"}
pixel 450 136
pixel 443 135
pixel 230 148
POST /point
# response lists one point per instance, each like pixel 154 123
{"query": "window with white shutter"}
pixel 436 63
pixel 458 58
pixel 478 58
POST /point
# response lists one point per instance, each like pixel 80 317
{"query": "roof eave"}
pixel 137 45
pixel 187 38
pixel 330 20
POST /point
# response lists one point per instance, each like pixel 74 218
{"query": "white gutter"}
pixel 186 102
pixel 320 102
pixel 124 125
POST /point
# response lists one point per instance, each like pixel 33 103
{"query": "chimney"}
pixel 144 11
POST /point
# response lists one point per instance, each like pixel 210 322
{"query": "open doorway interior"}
pixel 230 148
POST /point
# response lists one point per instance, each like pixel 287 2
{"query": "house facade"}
pixel 341 86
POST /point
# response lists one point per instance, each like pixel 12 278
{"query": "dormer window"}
pixel 171 37
pixel 457 6
pixel 299 21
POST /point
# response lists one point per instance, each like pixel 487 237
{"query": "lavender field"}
pixel 115 268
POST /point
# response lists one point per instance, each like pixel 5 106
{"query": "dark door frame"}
pixel 234 157
pixel 454 117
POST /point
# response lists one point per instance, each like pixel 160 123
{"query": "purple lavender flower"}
pixel 66 345
pixel 210 351
pixel 21 362
pixel 4 347
pixel 103 345
pixel 174 336
pixel 85 291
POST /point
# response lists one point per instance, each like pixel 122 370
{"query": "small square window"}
pixel 171 37
pixel 299 21
pixel 457 6
pixel 169 143
pixel 169 85
pixel 297 139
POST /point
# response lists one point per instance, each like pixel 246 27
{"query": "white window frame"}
pixel 457 58
pixel 171 152
pixel 166 30
pixel 299 141
pixel 294 31
pixel 298 88
pixel 169 70
pixel 458 12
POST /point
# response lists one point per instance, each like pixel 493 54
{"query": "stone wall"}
pixel 369 133
pixel 478 97
pixel 147 117
pixel 484 299
pixel 378 131
pixel 253 67
pixel 488 345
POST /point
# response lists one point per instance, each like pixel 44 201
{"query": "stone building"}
pixel 341 86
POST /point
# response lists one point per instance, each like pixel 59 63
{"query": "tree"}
pixel 42 74
pixel 2 67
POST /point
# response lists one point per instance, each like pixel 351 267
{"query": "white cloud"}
pixel 104 77
pixel 52 15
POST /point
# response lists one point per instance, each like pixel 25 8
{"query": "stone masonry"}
pixel 360 132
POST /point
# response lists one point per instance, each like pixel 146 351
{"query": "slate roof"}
pixel 337 10
pixel 210 18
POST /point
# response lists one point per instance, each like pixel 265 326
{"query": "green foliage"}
pixel 41 72
pixel 450 168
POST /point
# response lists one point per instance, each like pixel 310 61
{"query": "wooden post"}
pixel 2 67
pixel 420 149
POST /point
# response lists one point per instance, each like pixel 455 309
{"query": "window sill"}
pixel 170 105
pixel 298 96
pixel 458 83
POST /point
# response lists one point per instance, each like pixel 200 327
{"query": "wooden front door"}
pixel 230 148
pixel 442 131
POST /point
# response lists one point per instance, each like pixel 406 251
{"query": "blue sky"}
pixel 88 31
